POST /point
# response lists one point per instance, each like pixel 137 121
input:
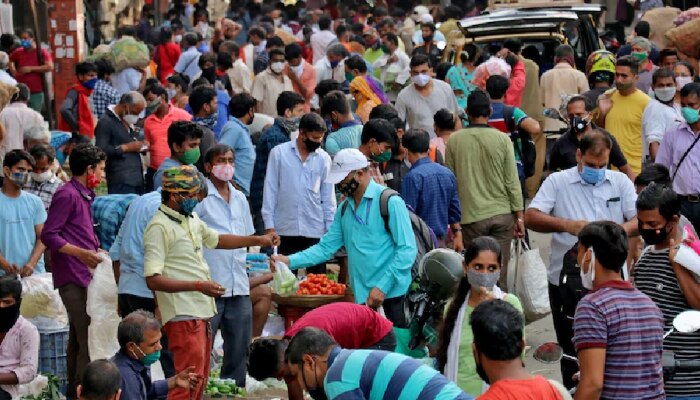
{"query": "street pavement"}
pixel 541 331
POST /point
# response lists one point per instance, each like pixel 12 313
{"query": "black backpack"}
pixel 522 143
pixel 425 237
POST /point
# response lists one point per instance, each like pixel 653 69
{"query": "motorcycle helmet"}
pixel 600 67
pixel 440 271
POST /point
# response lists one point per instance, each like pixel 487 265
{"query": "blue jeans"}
pixel 234 315
pixel 684 398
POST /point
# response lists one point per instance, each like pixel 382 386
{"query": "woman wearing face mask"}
pixel 364 91
pixel 455 358
pixel 20 340
pixel 178 85
pixel 167 54
pixel 460 76
pixel 684 75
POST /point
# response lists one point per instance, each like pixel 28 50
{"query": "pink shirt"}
pixel 156 132
pixel 19 353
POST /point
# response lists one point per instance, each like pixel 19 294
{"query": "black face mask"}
pixel 428 39
pixel 653 236
pixel 311 146
pixel 348 188
pixel 578 124
pixel 210 74
pixel 480 371
pixel 8 317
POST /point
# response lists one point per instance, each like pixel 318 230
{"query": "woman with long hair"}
pixel 178 89
pixel 482 268
pixel 460 75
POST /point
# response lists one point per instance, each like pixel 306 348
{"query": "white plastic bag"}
pixel 527 279
pixel 102 309
pixel 41 303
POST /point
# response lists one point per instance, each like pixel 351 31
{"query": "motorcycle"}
pixel 685 322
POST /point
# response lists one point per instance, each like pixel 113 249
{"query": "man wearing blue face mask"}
pixel 567 201
pixel 76 110
pixel 139 336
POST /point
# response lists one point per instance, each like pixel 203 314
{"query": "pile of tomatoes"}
pixel 319 284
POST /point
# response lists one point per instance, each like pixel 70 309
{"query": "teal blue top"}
pixel 349 137
pixel 375 257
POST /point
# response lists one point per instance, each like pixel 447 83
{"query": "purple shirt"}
pixel 674 144
pixel 70 222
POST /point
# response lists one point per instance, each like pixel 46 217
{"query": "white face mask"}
pixel 171 93
pixel 587 278
pixel 131 119
pixel 682 81
pixel 298 70
pixel 42 177
pixel 422 80
pixel 178 38
pixel 665 94
pixel 277 67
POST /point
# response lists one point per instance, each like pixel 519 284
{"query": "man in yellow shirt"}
pixel 621 111
pixel 176 271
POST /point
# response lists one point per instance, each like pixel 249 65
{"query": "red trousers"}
pixel 190 342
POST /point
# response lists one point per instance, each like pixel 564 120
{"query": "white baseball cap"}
pixel 426 19
pixel 346 161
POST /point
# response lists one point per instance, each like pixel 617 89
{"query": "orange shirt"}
pixel 156 132
pixel 308 80
pixel 537 388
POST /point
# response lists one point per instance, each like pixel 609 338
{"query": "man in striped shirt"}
pixel 617 329
pixel 671 286
pixel 320 363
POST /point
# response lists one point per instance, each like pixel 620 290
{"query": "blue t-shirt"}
pixel 18 217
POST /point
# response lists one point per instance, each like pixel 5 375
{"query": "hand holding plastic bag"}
pixel 102 309
pixel 283 280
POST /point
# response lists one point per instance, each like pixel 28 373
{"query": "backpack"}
pixel 522 143
pixel 425 237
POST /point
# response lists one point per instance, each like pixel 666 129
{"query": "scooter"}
pixel 685 322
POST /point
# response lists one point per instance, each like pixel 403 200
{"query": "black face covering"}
pixel 480 370
pixel 578 124
pixel 428 39
pixel 210 74
pixel 8 317
pixel 311 146
pixel 348 188
pixel 653 236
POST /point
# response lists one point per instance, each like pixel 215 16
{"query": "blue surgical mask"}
pixel 592 176
pixel 90 84
pixel 25 43
pixel 334 64
pixel 690 114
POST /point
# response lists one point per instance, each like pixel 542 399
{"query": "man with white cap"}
pixel 4 64
pixel 426 19
pixel 379 256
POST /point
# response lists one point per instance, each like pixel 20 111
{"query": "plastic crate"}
pixel 52 354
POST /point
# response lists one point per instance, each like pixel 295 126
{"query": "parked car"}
pixel 539 27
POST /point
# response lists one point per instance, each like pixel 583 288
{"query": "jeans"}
pixel 564 328
pixel 74 299
pixel 294 244
pixel 123 188
pixel 684 398
pixel 235 317
pixel 691 210
pixel 4 395
pixel 387 343
pixel 129 303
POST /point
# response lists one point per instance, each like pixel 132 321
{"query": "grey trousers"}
pixel 500 227
pixel 234 315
